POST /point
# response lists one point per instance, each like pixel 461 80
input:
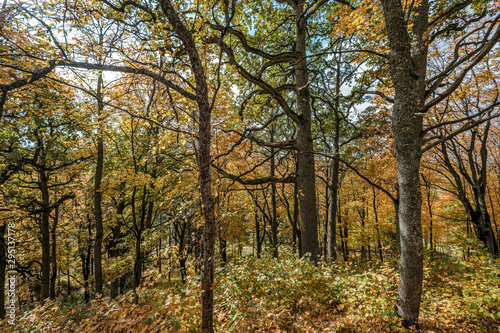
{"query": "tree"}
pixel 412 29
pixel 268 66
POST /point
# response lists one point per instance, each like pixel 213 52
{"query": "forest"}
pixel 249 166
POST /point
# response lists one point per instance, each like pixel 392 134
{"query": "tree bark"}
pixel 407 64
pixel 204 161
pixel 332 240
pixel 99 230
pixel 306 168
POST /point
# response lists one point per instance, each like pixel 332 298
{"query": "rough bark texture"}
pixel 204 162
pixel 98 190
pixel 407 65
pixel 306 168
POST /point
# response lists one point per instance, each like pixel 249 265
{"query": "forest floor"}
pixel 288 295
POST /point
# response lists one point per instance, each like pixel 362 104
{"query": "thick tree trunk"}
pixel 306 168
pixel 407 64
pixel 484 232
pixel 99 231
pixel 484 225
pixel 411 272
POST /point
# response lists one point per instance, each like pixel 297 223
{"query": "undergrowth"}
pixel 288 295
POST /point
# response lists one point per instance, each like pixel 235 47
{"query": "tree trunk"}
pixel 203 159
pixel 494 221
pixel 407 65
pixel 138 261
pixel 332 213
pixel 297 239
pixel 332 241
pixel 325 251
pixel 411 272
pixel 362 215
pixel 274 221
pixel 397 241
pixel 478 215
pixel 377 228
pixel 99 231
pixel 45 228
pixel 158 254
pixel 257 235
pixel 431 222
pixel 69 282
pixel 52 292
pixel 113 251
pixel 85 257
pixel 306 168
pixel 182 265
